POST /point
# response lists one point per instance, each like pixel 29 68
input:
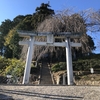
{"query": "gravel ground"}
pixel 50 92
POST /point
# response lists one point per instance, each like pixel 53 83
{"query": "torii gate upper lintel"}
pixel 50 42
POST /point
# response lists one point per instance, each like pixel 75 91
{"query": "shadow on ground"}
pixel 5 97
pixel 40 95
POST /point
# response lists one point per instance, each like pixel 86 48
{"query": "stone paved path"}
pixel 51 92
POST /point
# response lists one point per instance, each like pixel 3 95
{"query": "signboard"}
pixel 50 38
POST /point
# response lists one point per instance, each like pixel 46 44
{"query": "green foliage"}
pixel 15 68
pixel 85 65
pixel 58 67
pixel 26 24
pixel 11 41
pixel 41 14
pixel 1 44
pixel 12 67
pixel 18 19
pixel 3 64
pixel 44 9
pixel 80 65
pixel 55 68
pixel 6 26
pixel 4 29
pixel 91 43
pixel 8 53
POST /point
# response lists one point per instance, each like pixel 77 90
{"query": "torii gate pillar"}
pixel 28 60
pixel 69 62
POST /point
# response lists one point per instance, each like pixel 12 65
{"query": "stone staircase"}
pixel 45 75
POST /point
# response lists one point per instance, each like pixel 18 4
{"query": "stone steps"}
pixel 46 76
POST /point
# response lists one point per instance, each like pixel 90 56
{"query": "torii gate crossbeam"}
pixel 50 42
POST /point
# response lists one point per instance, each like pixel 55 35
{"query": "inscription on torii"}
pixel 50 42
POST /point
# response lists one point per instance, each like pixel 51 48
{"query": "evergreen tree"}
pixel 11 41
pixel 41 14
pixel 26 23
pixel 4 29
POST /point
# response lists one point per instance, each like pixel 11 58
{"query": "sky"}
pixel 12 8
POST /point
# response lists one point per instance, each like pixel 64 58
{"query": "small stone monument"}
pixel 92 70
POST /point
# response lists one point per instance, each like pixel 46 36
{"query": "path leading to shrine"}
pixel 45 75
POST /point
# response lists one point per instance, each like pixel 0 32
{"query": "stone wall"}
pixel 58 79
pixel 81 82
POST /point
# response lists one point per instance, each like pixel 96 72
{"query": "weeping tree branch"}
pixel 62 22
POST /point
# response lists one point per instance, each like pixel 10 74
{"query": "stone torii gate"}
pixel 50 42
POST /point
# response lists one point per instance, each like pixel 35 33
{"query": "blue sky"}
pixel 12 8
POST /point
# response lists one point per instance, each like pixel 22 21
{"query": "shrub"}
pixel 79 65
pixel 3 64
pixel 85 65
pixel 59 66
pixel 14 68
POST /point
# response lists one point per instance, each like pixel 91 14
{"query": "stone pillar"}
pixel 64 80
pixel 28 61
pixel 69 62
pixel 58 79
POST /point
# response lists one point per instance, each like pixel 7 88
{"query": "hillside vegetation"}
pixel 82 64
